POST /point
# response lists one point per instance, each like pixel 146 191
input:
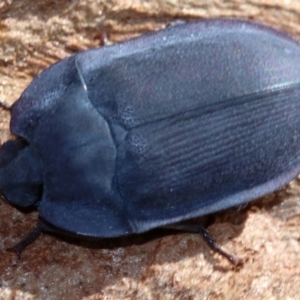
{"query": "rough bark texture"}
pixel 34 34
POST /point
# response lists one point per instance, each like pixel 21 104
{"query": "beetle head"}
pixel 20 173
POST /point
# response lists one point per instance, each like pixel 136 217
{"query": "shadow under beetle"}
pixel 173 125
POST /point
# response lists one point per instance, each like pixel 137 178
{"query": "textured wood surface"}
pixel 265 235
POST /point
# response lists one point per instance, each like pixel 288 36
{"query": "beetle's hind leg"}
pixel 197 228
pixel 33 235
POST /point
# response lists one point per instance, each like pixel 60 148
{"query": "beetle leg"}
pixel 20 246
pixel 197 228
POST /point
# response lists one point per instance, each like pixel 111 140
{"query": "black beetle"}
pixel 173 125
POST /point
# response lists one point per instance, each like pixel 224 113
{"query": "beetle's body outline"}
pixel 159 129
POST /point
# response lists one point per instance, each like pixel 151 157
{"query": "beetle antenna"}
pixel 4 105
pixel 19 247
